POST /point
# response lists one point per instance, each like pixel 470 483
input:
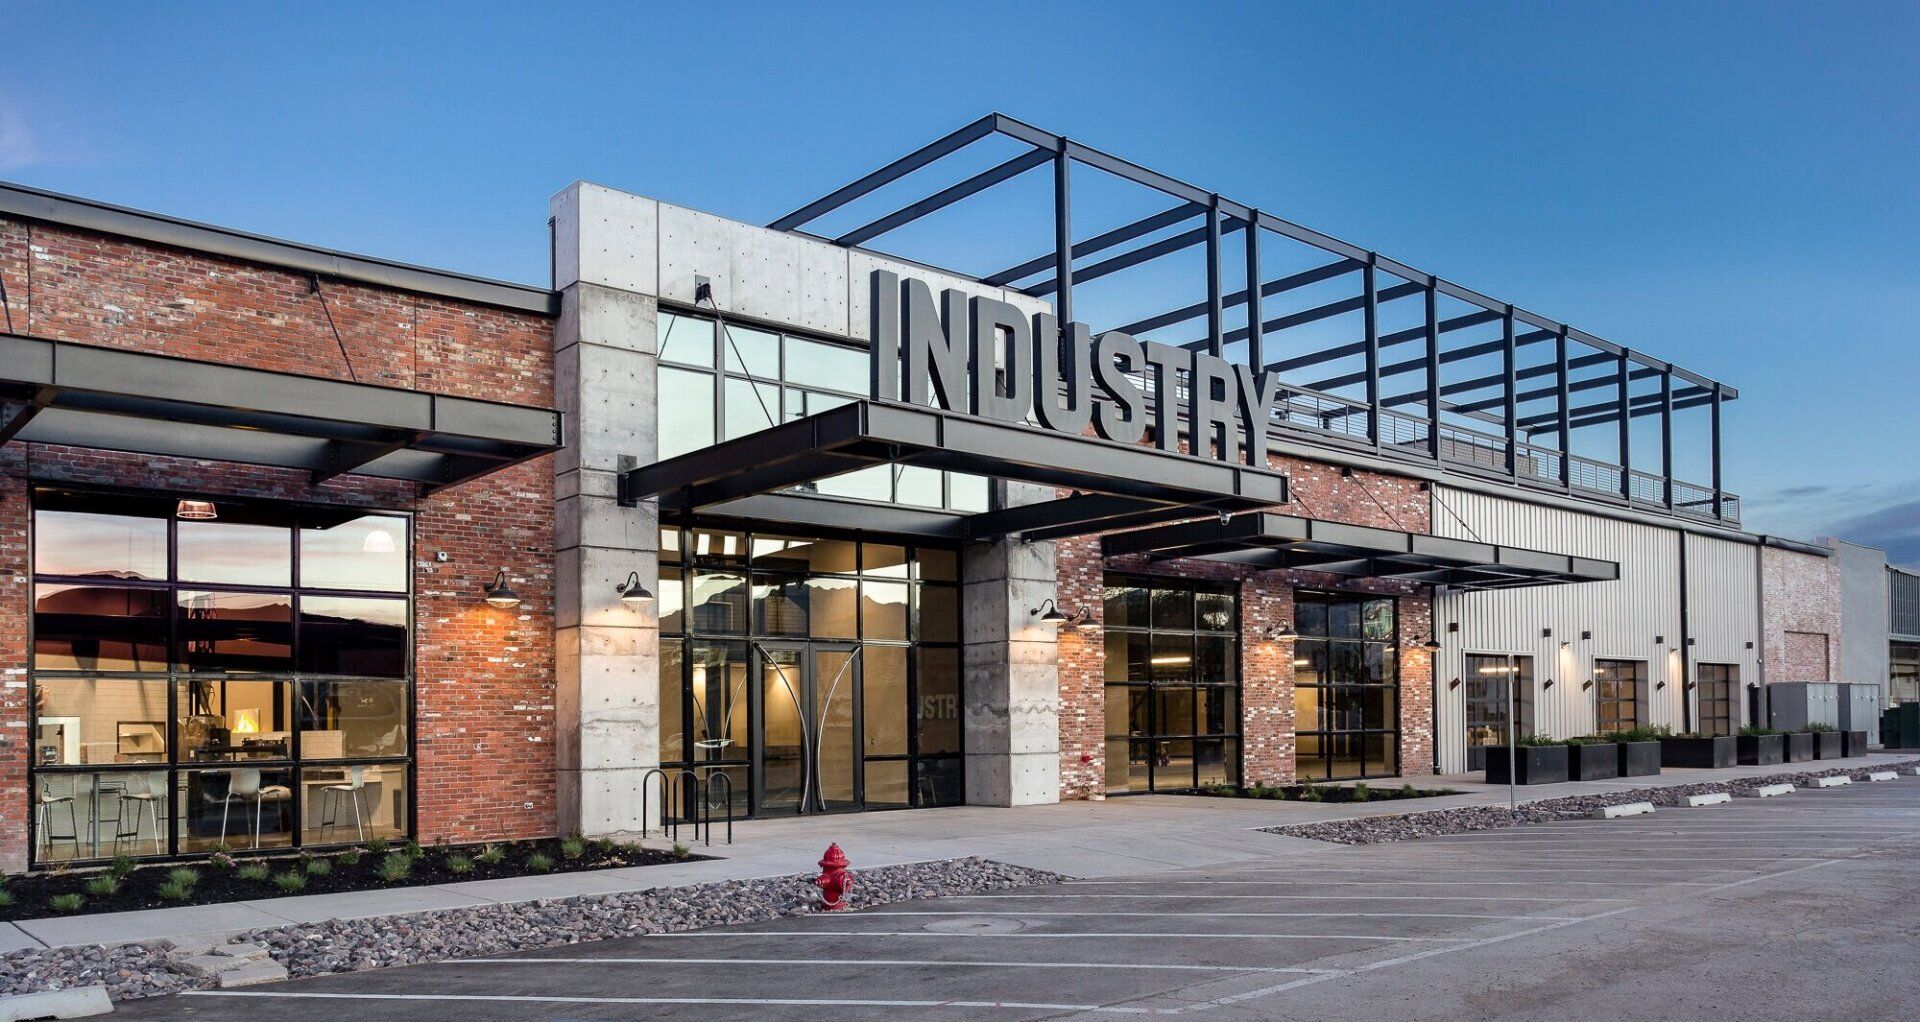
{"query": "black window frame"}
pixel 1717 685
pixel 1231 741
pixel 1606 693
pixel 1326 736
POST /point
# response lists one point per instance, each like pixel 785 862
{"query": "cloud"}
pixel 18 144
pixel 1894 528
pixel 1886 516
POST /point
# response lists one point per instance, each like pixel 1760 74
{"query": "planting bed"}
pixel 221 878
pixel 1323 792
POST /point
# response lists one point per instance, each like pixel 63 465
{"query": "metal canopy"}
pixel 1271 541
pixel 79 395
pixel 1116 485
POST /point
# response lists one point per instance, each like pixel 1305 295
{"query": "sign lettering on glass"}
pixel 929 352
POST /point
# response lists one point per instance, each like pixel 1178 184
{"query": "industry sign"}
pixel 932 352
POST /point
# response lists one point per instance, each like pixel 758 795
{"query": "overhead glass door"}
pixel 1716 685
pixel 1498 687
pixel 808 745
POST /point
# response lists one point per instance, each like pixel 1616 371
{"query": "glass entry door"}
pixel 1498 687
pixel 808 747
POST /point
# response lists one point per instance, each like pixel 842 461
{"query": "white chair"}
pixel 146 802
pixel 333 796
pixel 243 783
pixel 48 803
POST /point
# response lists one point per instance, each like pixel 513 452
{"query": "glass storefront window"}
pixel 195 687
pixel 1172 672
pixel 684 339
pixel 1346 686
pixel 686 417
pixel 351 803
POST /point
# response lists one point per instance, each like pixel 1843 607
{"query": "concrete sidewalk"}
pixel 1120 836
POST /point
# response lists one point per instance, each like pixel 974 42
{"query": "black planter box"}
pixel 1853 743
pixel 1639 759
pixel 1799 746
pixel 1761 750
pixel 1595 762
pixel 1698 753
pixel 1827 745
pixel 1532 764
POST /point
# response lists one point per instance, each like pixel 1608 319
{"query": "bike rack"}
pixel 699 801
pixel 669 818
pixel 719 775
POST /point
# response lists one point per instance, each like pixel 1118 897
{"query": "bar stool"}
pixel 348 791
pixel 45 809
pixel 243 783
pixel 139 791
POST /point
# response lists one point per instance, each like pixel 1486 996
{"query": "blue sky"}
pixel 1729 186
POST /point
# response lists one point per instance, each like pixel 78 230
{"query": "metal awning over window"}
pixel 1269 541
pixel 59 392
pixel 1117 485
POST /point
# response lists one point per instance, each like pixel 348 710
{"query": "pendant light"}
pixel 195 510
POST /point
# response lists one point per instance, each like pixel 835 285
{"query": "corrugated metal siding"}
pixel 1624 616
pixel 1723 609
pixel 1904 591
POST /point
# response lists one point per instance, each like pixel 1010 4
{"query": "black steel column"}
pixel 1626 429
pixel 1513 393
pixel 1256 335
pixel 1371 305
pixel 1433 368
pixel 1566 410
pixel 1718 510
pixel 1666 436
pixel 1062 233
pixel 1216 310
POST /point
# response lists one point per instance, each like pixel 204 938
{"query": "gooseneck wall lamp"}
pixel 1283 630
pixel 500 594
pixel 1050 614
pixel 632 593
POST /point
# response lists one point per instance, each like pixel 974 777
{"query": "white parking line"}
pixel 1495 870
pixel 1183 896
pixel 1406 883
pixel 789 1002
pixel 904 962
pixel 1014 912
pixel 810 934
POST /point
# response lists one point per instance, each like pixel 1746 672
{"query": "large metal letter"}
pixel 931 346
pixel 1167 361
pixel 1210 415
pixel 1005 396
pixel 1259 392
pixel 1121 416
pixel 1062 378
pixel 883 382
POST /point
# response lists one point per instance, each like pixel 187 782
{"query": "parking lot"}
pixel 1798 906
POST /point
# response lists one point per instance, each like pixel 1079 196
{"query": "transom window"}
pixel 1346 675
pixel 1173 684
pixel 720 384
pixel 240 681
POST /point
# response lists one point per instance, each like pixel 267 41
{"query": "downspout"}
pixel 1686 644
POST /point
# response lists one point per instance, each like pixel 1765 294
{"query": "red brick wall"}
pixel 483 677
pixel 1800 601
pixel 1266 598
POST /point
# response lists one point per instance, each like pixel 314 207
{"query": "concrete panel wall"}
pixel 1865 614
pixel 1625 616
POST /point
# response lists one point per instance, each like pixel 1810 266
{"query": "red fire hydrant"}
pixel 834 879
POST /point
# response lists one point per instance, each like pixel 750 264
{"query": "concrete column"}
pixel 1012 716
pixel 608 654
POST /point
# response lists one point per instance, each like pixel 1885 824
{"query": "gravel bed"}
pixel 1380 829
pixel 348 945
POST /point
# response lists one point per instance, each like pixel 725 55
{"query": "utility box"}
pixel 1900 726
pixel 1796 704
pixel 1860 710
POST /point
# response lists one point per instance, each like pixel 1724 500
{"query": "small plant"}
pixel 539 862
pixel 1310 793
pixel 1756 731
pixel 1539 740
pixel 573 847
pixel 605 846
pixel 291 881
pixel 318 867
pixel 679 850
pixel 221 848
pixel 68 902
pixel 253 872
pixel 459 865
pixel 397 866
pixel 6 898
pixel 1821 728
pixel 221 860
pixel 104 886
pixel 491 855
pixel 1408 791
pixel 173 890
pixel 379 846
pixel 350 857
pixel 121 865
pixel 1360 793
pixel 413 849
pixel 185 876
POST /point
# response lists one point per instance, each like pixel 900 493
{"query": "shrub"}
pixel 491 855
pixel 1756 731
pixel 68 902
pixel 1821 728
pixel 253 872
pixel 679 850
pixel 104 886
pixel 573 847
pixel 221 860
pixel 1408 791
pixel 291 881
pixel 319 867
pixel 605 846
pixel 459 865
pixel 173 890
pixel 6 898
pixel 1360 791
pixel 378 846
pixel 1539 741
pixel 350 857
pixel 539 862
pixel 185 876
pixel 121 866
pixel 413 849
pixel 1310 793
pixel 396 867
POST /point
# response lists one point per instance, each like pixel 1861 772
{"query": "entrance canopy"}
pixel 80 395
pixel 1116 485
pixel 1268 540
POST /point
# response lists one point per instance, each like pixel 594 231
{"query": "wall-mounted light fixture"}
pixel 195 510
pixel 1750 646
pixel 1566 643
pixel 500 594
pixel 1587 636
pixel 1587 684
pixel 1546 684
pixel 1453 626
pixel 1690 686
pixel 1283 630
pixel 1753 686
pixel 1451 685
pixel 1050 614
pixel 1659 640
pixel 1432 645
pixel 1658 685
pixel 1691 640
pixel 632 593
pixel 1546 633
